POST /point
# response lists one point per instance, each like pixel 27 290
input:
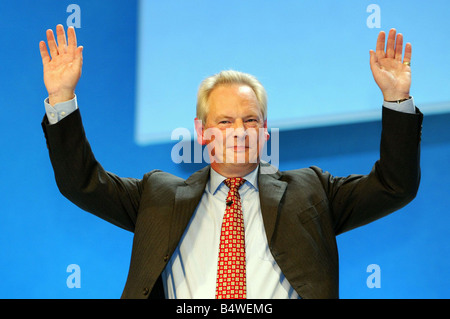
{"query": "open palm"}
pixel 62 67
pixel 392 75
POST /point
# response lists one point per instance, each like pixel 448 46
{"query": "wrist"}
pixel 394 97
pixel 399 100
pixel 60 97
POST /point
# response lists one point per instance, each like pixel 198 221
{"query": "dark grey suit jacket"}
pixel 303 210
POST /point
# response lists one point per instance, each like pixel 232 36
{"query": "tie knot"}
pixel 234 182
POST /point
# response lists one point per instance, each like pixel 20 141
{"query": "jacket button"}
pixel 166 258
pixel 145 291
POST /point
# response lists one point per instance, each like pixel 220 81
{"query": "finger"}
pixel 399 47
pixel 52 43
pixel 44 53
pixel 79 56
pixel 390 47
pixel 72 38
pixel 61 36
pixel 380 45
pixel 408 51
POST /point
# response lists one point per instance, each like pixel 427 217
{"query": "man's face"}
pixel 235 130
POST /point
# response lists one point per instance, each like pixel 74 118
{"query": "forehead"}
pixel 233 98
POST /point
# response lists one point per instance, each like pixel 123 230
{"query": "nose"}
pixel 238 128
pixel 238 123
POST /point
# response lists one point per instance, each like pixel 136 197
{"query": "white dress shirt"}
pixel 192 270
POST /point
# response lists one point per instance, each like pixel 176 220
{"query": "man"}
pixel 230 230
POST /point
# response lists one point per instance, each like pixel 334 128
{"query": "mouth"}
pixel 239 148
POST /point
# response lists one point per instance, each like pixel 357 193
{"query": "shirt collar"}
pixel 216 180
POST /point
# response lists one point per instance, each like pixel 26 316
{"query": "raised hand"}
pixel 62 67
pixel 392 75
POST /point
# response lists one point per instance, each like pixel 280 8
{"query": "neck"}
pixel 234 170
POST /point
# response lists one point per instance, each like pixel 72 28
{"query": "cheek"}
pixel 256 138
pixel 212 135
pixel 214 140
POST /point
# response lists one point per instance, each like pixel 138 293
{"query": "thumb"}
pixel 373 59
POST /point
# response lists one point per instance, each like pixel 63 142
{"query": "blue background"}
pixel 311 56
pixel 41 233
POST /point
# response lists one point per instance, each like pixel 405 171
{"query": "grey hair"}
pixel 229 77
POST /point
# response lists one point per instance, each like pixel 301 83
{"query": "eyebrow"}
pixel 224 116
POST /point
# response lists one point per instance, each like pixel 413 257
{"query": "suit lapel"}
pixel 271 191
pixel 187 198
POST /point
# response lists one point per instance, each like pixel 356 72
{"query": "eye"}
pixel 224 122
pixel 251 122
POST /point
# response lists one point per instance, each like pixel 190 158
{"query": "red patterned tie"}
pixel 231 276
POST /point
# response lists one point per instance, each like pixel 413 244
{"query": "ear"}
pixel 266 132
pixel 199 129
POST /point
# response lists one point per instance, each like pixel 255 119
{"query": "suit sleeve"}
pixel 392 183
pixel 82 180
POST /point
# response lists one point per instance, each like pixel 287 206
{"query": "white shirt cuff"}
pixel 407 106
pixel 60 110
